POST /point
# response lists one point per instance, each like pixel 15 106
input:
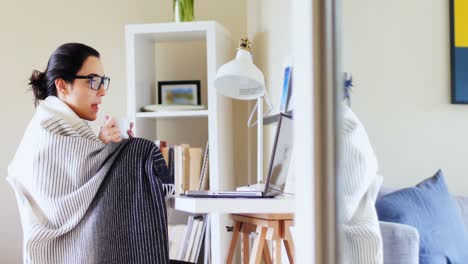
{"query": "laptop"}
pixel 278 168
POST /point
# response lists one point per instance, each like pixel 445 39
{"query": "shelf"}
pixel 173 114
pixel 142 75
pixel 183 31
pixel 279 204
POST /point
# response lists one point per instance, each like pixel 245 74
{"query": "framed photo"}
pixel 459 51
pixel 179 93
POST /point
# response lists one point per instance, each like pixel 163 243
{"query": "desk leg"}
pixel 232 246
pixel 258 245
pixel 266 254
pixel 277 251
pixel 245 247
pixel 288 241
pixel 289 245
pixel 246 230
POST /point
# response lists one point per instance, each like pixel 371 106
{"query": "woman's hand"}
pixel 110 132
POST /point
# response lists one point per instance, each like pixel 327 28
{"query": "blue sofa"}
pixel 401 242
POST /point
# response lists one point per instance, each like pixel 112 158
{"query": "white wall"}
pixel 268 27
pixel 31 31
pixel 399 54
pixel 170 68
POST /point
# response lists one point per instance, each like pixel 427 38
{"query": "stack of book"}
pixel 188 166
pixel 186 241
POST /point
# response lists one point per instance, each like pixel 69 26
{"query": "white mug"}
pixel 124 125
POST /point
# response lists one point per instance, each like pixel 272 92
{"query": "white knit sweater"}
pixel 360 186
pixel 55 173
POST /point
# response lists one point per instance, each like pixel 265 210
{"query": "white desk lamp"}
pixel 241 79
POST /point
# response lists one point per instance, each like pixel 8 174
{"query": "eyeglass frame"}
pixel 90 77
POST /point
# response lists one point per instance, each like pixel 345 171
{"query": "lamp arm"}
pixel 270 108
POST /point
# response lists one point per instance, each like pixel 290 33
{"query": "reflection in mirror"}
pixel 404 147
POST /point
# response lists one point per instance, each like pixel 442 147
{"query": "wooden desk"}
pixel 219 210
pixel 279 205
pixel 273 227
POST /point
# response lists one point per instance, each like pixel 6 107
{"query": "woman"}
pixel 83 198
pixel 75 75
pixel 360 185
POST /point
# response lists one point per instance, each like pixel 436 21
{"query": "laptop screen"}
pixel 280 156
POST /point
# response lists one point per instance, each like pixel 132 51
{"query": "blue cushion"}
pixel 429 208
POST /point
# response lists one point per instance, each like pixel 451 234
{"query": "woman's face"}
pixel 79 96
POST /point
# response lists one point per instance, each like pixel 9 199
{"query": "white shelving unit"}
pixel 141 48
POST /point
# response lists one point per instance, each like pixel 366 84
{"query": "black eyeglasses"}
pixel 95 81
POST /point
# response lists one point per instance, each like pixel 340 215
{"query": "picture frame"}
pixel 459 51
pixel 179 92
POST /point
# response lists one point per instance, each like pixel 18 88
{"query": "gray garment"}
pixel 127 219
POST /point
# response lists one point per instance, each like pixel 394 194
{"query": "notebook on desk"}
pixel 278 168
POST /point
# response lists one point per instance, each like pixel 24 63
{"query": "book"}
pixel 199 240
pixel 170 164
pixel 165 153
pixel 175 235
pixel 181 168
pixel 204 182
pixel 167 108
pixel 178 170
pixel 186 240
pixel 185 167
pixel 195 230
pixel 190 237
pixel 207 242
pixel 183 246
pixel 195 167
pixel 196 239
pixel 160 143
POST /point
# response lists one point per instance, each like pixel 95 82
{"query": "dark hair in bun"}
pixel 64 63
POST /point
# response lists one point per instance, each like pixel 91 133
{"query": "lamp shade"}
pixel 240 78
